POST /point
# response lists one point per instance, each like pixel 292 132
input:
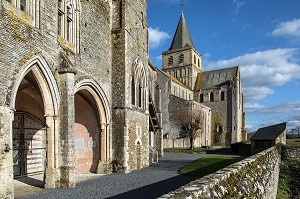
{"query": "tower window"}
pixel 222 96
pixel 198 62
pixel 211 97
pixel 201 97
pixel 195 60
pixel 181 58
pixel 23 5
pixel 170 60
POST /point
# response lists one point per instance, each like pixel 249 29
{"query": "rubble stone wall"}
pixel 254 177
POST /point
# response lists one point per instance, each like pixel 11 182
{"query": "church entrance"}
pixel 29 129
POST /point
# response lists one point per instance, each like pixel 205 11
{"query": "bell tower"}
pixel 182 59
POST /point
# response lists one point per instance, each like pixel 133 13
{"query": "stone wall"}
pixel 290 153
pixel 254 177
pixel 181 143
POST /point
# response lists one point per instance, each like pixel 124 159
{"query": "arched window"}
pixel 181 58
pixel 211 97
pixel 222 96
pixel 132 91
pixel 201 97
pixel 66 20
pixel 170 60
pixel 195 60
pixel 139 84
pixel 198 62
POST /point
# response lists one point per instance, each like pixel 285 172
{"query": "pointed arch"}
pixel 140 83
pixel 45 80
pixel 103 112
pixel 99 95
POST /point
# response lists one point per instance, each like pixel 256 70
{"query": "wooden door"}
pixel 29 145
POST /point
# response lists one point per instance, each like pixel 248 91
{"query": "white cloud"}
pixel 257 93
pixel 238 5
pixel 262 70
pixel 286 112
pixel 288 29
pixel 158 58
pixel 156 37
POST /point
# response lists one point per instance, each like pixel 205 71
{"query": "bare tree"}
pixel 191 120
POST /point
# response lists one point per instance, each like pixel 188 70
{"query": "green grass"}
pixel 293 142
pixel 283 184
pixel 208 165
pixel 197 150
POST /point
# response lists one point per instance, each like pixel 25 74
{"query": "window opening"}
pixel 211 97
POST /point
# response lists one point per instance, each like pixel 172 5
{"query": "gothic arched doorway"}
pixel 29 129
pixel 87 133
pixel 92 137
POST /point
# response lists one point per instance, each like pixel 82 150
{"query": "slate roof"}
pixel 182 37
pixel 215 78
pixel 269 132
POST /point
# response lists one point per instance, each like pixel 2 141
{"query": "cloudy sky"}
pixel 261 36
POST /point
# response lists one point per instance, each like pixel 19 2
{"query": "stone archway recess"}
pixel 49 91
pixel 102 104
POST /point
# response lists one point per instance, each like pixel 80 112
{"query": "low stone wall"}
pixel 254 177
pixel 180 143
pixel 290 153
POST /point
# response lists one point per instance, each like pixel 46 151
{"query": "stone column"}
pixel 103 166
pixel 67 120
pixel 51 174
pixel 6 159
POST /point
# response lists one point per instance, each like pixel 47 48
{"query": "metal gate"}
pixel 29 145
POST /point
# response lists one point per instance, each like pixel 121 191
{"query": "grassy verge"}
pixel 198 150
pixel 283 184
pixel 208 165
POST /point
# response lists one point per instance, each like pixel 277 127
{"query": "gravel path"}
pixel 150 182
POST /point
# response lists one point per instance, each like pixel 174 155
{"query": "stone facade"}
pixel 80 68
pixel 254 177
pixel 219 90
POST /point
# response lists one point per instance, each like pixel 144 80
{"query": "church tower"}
pixel 182 59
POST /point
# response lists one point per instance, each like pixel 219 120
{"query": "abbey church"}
pixel 80 95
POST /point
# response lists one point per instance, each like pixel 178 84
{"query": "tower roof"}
pixel 182 37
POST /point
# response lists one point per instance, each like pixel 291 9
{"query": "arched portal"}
pixel 29 129
pixel 35 100
pixel 92 138
pixel 87 133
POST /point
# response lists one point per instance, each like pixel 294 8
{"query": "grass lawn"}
pixel 293 142
pixel 208 165
pixel 198 150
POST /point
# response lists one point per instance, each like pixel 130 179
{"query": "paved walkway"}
pixel 150 182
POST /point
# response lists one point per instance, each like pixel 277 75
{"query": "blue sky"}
pixel 261 36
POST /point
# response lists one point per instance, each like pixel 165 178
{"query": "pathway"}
pixel 150 182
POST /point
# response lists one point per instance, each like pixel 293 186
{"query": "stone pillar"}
pixel 103 166
pixel 67 139
pixel 6 157
pixel 51 178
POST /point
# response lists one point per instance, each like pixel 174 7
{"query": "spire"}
pixel 182 37
pixel 182 6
